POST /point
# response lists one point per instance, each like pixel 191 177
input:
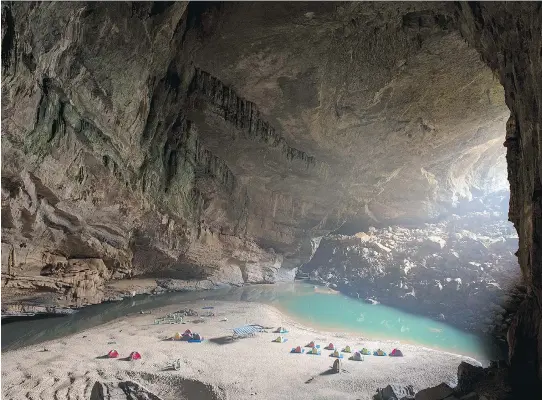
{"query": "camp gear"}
pixel 396 353
pixel 196 338
pixel 357 356
pixel 379 352
pixel 336 354
pixel 246 331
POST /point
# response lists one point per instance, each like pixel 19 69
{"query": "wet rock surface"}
pixel 461 270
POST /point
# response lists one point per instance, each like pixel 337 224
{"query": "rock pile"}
pixel 473 383
pixel 461 269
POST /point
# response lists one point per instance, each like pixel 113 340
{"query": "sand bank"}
pixel 252 368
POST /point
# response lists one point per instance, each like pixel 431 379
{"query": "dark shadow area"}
pixel 11 319
pixel 222 340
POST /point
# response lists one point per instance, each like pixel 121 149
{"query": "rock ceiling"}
pixel 228 136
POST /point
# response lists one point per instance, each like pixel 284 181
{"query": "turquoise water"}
pixel 304 303
pixel 337 312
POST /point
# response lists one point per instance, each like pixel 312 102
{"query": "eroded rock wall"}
pixel 509 38
pixel 101 169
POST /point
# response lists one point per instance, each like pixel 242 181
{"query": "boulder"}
pixel 467 376
pixel 434 243
pixel 440 392
pixel 396 392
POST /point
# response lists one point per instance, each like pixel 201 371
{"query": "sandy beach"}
pixel 251 368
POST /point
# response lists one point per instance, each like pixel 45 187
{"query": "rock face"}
pixel 509 40
pixel 461 269
pixel 160 138
pixel 217 141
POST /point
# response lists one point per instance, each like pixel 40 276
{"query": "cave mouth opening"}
pixel 453 260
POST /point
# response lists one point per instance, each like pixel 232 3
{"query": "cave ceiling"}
pixel 226 134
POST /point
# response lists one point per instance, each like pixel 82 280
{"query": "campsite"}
pixel 159 356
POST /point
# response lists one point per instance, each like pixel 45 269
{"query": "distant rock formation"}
pixel 461 269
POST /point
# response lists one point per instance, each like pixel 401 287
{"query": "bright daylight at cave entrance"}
pixel 264 200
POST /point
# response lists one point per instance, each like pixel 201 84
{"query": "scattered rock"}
pixel 467 377
pixel 439 392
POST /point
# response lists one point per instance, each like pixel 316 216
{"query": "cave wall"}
pixel 509 38
pixel 209 141
pixel 103 175
pixel 220 141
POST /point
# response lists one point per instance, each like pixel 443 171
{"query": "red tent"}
pixel 298 349
pixel 187 332
pixel 113 354
pixel 135 355
pixel 396 353
pixel 330 346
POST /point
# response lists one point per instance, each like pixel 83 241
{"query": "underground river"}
pixel 312 306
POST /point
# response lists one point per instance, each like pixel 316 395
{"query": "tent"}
pixel 311 344
pixel 396 353
pixel 113 354
pixel 336 354
pixel 134 355
pixel 347 349
pixel 196 338
pixel 357 356
pixel 177 336
pixel 315 351
pixel 330 347
pixel 280 339
pixel 298 350
pixel 188 332
pixel 379 352
pixel 365 351
pixel 281 329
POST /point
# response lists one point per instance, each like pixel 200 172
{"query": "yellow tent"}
pixel 177 336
